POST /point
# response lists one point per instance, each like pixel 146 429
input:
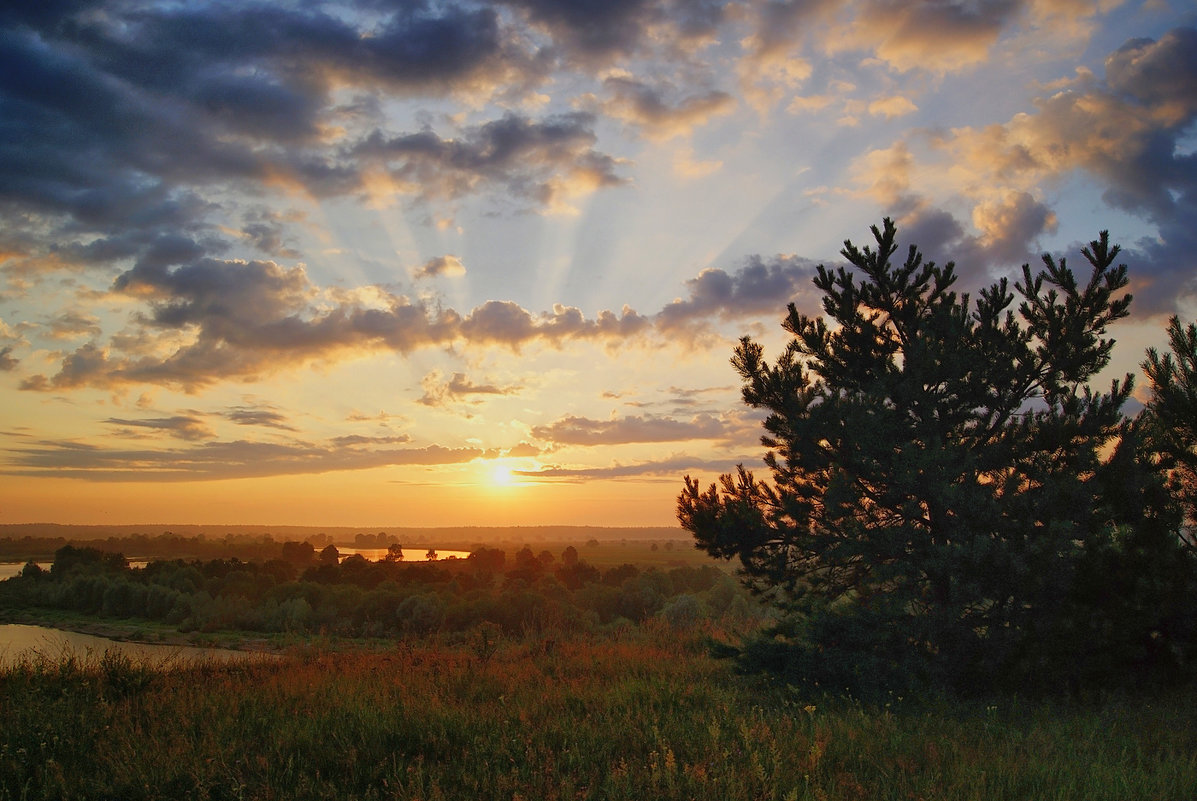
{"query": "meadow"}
pixel 526 679
pixel 635 713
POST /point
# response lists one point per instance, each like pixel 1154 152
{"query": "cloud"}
pixel 438 392
pixel 217 460
pixel 121 120
pixel 187 427
pixel 672 468
pixel 654 110
pixel 771 67
pixel 686 166
pixel 356 440
pixel 890 107
pixel 213 320
pixel 523 449
pixel 8 362
pixel 886 173
pixel 573 430
pixel 506 323
pixel 1124 132
pixel 448 265
pixel 249 416
pixel 265 231
pixel 779 24
pixel 73 324
pixel 1008 223
pixel 759 287
pixel 1158 74
pixel 591 31
pixel 542 162
pixel 382 417
pixel 927 35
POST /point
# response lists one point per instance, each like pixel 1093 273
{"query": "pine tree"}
pixel 1172 417
pixel 936 461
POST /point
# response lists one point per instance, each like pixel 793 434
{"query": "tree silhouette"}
pixel 935 464
pixel 1172 416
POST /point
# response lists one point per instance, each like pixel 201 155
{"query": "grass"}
pixel 643 714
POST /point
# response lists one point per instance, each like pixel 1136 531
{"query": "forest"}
pixel 291 588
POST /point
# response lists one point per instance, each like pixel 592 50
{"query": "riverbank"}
pixel 146 632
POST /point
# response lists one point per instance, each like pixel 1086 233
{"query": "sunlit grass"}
pixel 637 714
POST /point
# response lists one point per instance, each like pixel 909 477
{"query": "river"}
pixel 411 554
pixel 10 569
pixel 414 554
pixel 18 641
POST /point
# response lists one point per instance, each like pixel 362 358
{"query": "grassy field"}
pixel 638 714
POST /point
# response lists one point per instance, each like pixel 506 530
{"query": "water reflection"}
pixel 10 569
pixel 412 554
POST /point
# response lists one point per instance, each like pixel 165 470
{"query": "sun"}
pixel 501 476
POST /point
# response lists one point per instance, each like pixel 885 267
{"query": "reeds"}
pixel 636 714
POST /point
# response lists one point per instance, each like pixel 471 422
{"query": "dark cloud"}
pixel 1163 268
pixel 592 28
pixel 538 161
pixel 759 287
pixel 249 319
pixel 151 248
pixel 71 325
pixel 1157 82
pixel 654 109
pixel 242 320
pixel 86 365
pixel 252 416
pixel 506 323
pixel 216 460
pixel 187 427
pixel 1158 73
pixel 198 50
pixel 8 362
pixel 1126 132
pixel 266 232
pixel 116 118
pixel 357 440
pixel 438 392
pixel 779 24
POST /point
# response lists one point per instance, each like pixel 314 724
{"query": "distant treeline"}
pixel 144 546
pixel 189 543
pixel 301 590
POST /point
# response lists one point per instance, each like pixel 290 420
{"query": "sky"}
pixel 375 263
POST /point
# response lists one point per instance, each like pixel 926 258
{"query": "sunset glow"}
pixel 501 476
pixel 484 263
